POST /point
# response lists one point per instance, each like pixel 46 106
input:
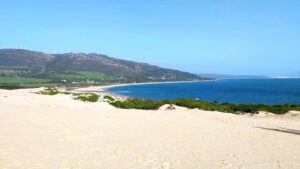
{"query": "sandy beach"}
pixel 57 132
pixel 102 88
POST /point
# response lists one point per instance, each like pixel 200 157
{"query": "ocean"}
pixel 243 91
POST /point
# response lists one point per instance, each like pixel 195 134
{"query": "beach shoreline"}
pixel 58 132
pixel 102 89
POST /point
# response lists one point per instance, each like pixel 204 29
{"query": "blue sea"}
pixel 246 91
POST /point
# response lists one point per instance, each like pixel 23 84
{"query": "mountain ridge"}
pixel 41 64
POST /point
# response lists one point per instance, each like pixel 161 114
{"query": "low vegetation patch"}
pixel 147 104
pixel 80 75
pixel 137 104
pixel 86 97
pixel 12 87
pixel 203 105
pixel 109 98
pixel 22 80
pixel 49 91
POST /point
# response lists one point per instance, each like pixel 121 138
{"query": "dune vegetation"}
pixel 86 97
pixel 147 104
pixel 109 98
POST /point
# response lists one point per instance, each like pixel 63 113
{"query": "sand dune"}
pixel 56 132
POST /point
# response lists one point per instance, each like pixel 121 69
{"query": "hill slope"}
pixel 42 65
pixel 17 58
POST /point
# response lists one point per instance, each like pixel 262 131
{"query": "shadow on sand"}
pixel 290 131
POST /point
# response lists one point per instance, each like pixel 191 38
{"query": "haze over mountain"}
pixel 224 76
pixel 227 76
pixel 42 65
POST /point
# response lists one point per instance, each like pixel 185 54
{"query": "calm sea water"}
pixel 247 91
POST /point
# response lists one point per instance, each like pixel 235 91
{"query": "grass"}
pixel 109 98
pixel 80 75
pixel 12 87
pixel 22 77
pixel 147 104
pixel 86 97
pixel 133 103
pixel 49 91
pixel 8 73
pixel 21 80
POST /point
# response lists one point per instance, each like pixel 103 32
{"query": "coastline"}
pixel 254 91
pixel 103 88
pixel 58 132
pixel 233 107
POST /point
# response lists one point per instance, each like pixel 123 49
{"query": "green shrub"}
pixel 166 101
pixel 203 105
pixel 49 91
pixel 12 87
pixel 87 97
pixel 134 103
pixel 109 98
pixel 148 104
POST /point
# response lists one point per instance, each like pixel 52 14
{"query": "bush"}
pixel 166 101
pixel 148 104
pixel 109 98
pixel 49 91
pixel 133 103
pixel 86 97
pixel 89 97
pixel 12 87
pixel 203 105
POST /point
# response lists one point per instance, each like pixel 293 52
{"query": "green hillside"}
pixel 23 66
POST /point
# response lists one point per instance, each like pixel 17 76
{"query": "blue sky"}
pixel 254 37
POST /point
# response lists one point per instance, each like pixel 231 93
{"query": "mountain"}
pixel 222 76
pixel 16 58
pixel 43 65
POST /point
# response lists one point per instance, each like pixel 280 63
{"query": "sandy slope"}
pixel 56 132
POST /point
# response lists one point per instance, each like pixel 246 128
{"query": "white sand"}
pixel 102 88
pixel 56 132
